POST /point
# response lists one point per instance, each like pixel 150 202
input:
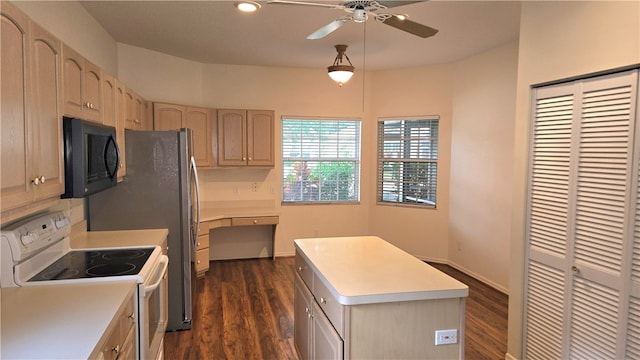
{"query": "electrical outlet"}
pixel 254 187
pixel 444 337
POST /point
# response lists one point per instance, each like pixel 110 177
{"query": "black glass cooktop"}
pixel 79 264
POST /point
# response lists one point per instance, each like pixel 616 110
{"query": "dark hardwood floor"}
pixel 245 311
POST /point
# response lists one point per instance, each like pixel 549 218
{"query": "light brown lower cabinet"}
pixel 315 337
pixel 121 341
pixel 202 250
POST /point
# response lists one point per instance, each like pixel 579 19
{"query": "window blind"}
pixel 408 161
pixel 321 160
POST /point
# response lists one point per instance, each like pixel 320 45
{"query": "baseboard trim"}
pixel 458 267
pixel 508 356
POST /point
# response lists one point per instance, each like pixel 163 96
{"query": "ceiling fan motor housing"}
pixel 360 15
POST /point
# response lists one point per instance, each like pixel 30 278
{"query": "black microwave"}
pixel 91 157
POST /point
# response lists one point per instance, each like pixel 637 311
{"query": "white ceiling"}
pixel 216 32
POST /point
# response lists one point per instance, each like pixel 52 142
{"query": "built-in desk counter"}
pixel 212 218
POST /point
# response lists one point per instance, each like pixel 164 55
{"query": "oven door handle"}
pixel 164 263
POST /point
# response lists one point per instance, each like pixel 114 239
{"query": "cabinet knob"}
pixel 136 121
pixel 300 268
pixel 575 270
pixel 250 158
pixel 198 262
pixel 38 180
pixel 255 221
pixel 323 300
pixel 116 349
pixel 132 317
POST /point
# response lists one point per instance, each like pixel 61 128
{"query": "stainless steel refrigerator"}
pixel 160 190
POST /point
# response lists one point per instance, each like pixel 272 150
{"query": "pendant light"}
pixel 338 72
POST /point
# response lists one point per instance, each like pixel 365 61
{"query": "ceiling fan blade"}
pixel 392 3
pixel 411 27
pixel 328 29
pixel 291 2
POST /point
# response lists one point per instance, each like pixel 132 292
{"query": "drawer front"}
pixel 305 271
pixel 253 221
pixel 329 305
pixel 202 261
pixel 127 319
pixel 203 242
pixel 203 229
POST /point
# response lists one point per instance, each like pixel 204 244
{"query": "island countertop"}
pixel 367 269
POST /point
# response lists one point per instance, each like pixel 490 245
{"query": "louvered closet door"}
pixel 580 219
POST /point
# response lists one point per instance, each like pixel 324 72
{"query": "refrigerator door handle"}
pixel 197 185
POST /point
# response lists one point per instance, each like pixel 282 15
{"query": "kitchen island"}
pixel 363 298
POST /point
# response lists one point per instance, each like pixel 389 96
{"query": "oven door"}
pixel 153 311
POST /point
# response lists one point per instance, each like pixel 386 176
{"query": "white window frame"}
pixel 308 186
pixel 419 153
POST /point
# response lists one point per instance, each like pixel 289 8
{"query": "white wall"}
pixel 559 40
pixel 161 77
pixel 71 23
pixel 420 91
pixel 288 91
pixel 481 164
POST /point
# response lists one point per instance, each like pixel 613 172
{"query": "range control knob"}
pixel 62 222
pixel 28 238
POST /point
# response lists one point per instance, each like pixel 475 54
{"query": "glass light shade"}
pixel 340 73
pixel 247 6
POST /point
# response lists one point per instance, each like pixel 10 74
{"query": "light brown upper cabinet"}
pixel 121 115
pixel 82 88
pixel 138 114
pixel 246 138
pixel 32 160
pixel 113 113
pixel 199 120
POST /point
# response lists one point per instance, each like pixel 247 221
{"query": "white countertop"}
pixel 211 214
pixel 118 238
pixel 59 322
pixel 367 269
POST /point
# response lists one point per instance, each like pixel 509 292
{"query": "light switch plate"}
pixel 444 337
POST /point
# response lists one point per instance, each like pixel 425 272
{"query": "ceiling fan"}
pixel 359 11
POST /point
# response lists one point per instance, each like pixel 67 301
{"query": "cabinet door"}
pixel 73 73
pixel 302 319
pixel 108 100
pixel 327 344
pixel 46 113
pixel 168 116
pixel 232 137
pixel 131 119
pixel 14 64
pixel 200 120
pixel 260 134
pixel 120 115
pixel 92 92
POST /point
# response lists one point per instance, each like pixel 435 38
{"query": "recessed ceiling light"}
pixel 402 16
pixel 247 6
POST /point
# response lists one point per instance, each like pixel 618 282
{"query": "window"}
pixel 320 160
pixel 408 161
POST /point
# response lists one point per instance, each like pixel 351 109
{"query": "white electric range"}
pixel 37 252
